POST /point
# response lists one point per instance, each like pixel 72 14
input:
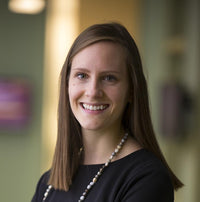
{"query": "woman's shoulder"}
pixel 142 163
pixel 142 174
pixel 45 177
pixel 41 187
pixel 138 158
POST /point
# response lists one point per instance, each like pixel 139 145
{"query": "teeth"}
pixel 94 108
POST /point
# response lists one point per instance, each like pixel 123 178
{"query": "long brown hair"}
pixel 136 119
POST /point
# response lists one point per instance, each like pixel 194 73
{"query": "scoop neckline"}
pixel 116 161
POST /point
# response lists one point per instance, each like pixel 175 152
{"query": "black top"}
pixel 138 177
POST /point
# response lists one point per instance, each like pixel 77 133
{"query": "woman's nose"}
pixel 94 89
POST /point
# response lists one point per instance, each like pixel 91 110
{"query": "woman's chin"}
pixel 93 126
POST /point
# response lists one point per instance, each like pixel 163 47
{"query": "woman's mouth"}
pixel 94 107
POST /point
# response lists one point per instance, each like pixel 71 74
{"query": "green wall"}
pixel 21 56
pixel 166 22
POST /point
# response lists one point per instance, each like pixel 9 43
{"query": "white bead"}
pixel 118 147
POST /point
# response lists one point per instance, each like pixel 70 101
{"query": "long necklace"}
pixel 99 173
pixel 92 183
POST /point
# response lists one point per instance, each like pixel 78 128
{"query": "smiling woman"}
pixel 106 148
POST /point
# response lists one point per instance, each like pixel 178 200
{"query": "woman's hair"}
pixel 136 118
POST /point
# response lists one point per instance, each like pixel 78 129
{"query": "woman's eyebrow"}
pixel 111 72
pixel 80 69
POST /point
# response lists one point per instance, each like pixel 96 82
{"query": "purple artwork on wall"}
pixel 14 103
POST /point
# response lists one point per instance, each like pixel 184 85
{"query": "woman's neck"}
pixel 99 145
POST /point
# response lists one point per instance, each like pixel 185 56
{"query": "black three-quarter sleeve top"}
pixel 138 177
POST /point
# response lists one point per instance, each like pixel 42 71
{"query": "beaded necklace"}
pixel 99 173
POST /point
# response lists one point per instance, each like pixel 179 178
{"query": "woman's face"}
pixel 98 86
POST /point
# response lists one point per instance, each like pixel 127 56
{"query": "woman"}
pixel 106 148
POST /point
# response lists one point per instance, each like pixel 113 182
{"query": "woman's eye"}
pixel 110 78
pixel 81 76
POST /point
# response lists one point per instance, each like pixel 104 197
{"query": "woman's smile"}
pixel 94 107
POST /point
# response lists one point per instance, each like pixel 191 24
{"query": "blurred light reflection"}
pixel 26 6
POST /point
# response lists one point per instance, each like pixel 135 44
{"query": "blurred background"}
pixel 35 36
